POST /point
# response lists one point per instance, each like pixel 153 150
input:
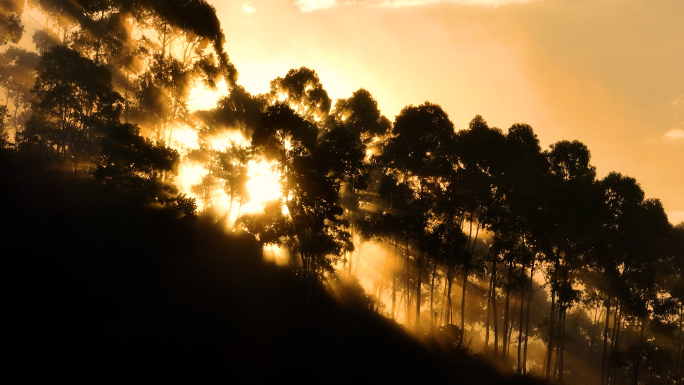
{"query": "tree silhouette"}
pixel 348 139
pixel 309 193
pixel 17 76
pixel 480 152
pixel 417 156
pixel 11 27
pixel 74 103
pixel 303 92
pixel 142 169
pixel 566 239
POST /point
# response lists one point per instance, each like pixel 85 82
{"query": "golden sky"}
pixel 609 73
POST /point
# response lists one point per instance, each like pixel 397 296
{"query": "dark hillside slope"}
pixel 98 288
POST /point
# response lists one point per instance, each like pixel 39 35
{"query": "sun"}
pixel 263 185
pixel 203 98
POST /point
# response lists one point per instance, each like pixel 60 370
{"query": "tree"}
pixel 17 76
pixel 11 28
pixel 144 170
pixel 303 92
pixel 573 206
pixel 473 192
pixel 418 156
pixel 74 103
pixel 310 194
pixel 348 138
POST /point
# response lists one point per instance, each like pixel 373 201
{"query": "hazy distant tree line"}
pixel 468 213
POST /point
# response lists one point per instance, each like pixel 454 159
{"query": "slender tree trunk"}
pixel 530 293
pixel 466 268
pixel 604 361
pixel 419 269
pixel 610 369
pixel 432 298
pixel 552 327
pixel 504 347
pixel 679 346
pixel 520 325
pixel 489 311
pixel 597 314
pixel 644 321
pixel 562 316
pixel 616 347
pixel 382 278
pixel 349 263
pixel 407 304
pixel 441 320
pixel 394 281
pixel 495 315
pixel 510 330
pixel 637 358
pixel 448 318
pixel 463 303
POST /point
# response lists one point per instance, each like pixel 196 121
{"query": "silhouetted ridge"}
pixel 101 289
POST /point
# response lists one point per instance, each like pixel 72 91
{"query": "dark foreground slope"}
pixel 98 288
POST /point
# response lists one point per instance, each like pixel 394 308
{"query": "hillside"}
pixel 99 288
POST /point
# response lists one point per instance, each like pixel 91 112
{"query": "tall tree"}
pixel 351 132
pixel 74 103
pixel 11 27
pixel 310 194
pixel 473 188
pixel 418 155
pixel 302 90
pixel 17 76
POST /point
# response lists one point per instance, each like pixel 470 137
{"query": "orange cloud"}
pixel 675 134
pixel 314 5
pixel 248 8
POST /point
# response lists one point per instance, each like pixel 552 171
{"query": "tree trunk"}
pixel 407 304
pixel 419 269
pixel 644 321
pixel 448 318
pixel 463 303
pixel 382 280
pixel 597 314
pixel 610 370
pixel 349 262
pixel 489 311
pixel 432 298
pixel 616 348
pixel 561 344
pixel 552 326
pixel 520 326
pixel 394 281
pixel 679 346
pixel 530 293
pixel 495 316
pixel 510 330
pixel 504 347
pixel 466 269
pixel 604 361
pixel 637 358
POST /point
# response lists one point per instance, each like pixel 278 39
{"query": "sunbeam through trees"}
pixel 285 235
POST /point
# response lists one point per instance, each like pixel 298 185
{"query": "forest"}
pixel 391 250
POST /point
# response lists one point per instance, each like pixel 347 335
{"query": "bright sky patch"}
pixel 314 5
pixel 675 134
pixel 248 8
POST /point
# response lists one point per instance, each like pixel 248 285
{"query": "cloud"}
pixel 248 8
pixel 314 5
pixel 675 217
pixel 675 134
